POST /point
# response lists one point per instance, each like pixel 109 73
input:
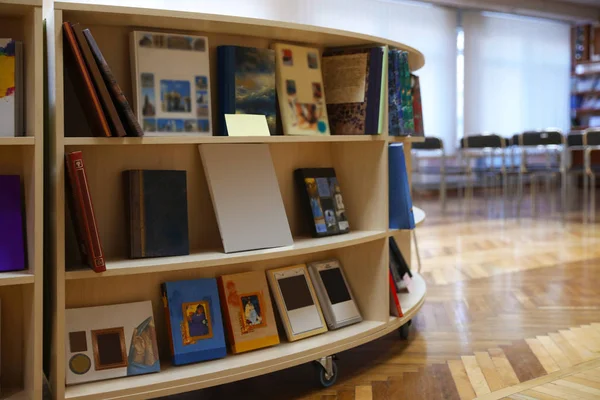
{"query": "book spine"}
pixel 165 300
pixel 383 93
pixel 226 80
pixel 103 95
pixel 135 199
pixel 227 316
pixel 123 107
pixel 85 87
pixel 84 212
pixel 395 308
pixel 372 96
pixel 305 199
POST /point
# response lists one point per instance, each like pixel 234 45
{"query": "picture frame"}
pixel 202 320
pixel 101 340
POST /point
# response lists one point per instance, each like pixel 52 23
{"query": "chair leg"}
pixel 585 198
pixel 443 192
pixel 593 198
pixel 533 189
pixel 563 195
pixel 519 195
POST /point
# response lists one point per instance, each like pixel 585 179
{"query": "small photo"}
pixel 287 57
pixel 189 125
pixel 170 125
pixel 202 111
pixel 148 102
pixel 147 80
pixel 149 125
pixel 146 41
pixel 203 125
pixel 179 42
pixel 159 41
pixel 313 61
pixel 330 219
pixel 199 44
pixel 323 187
pixel 202 97
pixel 320 227
pixel 196 324
pixel 290 87
pixel 317 91
pixel 201 83
pixel 175 96
pixel 252 310
pixel 109 348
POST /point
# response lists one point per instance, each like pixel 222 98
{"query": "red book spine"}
pixel 394 303
pixel 83 213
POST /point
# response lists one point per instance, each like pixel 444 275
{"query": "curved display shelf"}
pixel 17 141
pixel 205 259
pixel 186 378
pixel 419 215
pixel 186 16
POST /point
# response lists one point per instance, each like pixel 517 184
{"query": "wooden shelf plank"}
pixel 205 259
pixel 407 139
pixel 419 215
pixel 16 278
pixel 195 139
pixel 17 141
pixel 190 16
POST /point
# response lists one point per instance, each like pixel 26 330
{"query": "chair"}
pixel 546 144
pixel 574 142
pixel 591 143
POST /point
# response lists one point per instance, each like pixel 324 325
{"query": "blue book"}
pixel 246 84
pixel 401 212
pixel 193 315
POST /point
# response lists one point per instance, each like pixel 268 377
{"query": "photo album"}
pixel 171 82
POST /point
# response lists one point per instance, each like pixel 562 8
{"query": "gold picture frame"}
pixel 246 307
pixel 99 366
pixel 188 309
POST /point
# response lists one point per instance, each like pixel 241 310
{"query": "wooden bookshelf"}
pixel 360 163
pixel 21 291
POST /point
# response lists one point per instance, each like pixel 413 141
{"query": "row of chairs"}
pixel 526 156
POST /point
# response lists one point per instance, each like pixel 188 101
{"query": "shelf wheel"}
pixel 327 370
pixel 404 330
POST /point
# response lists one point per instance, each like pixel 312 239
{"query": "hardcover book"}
pixel 245 195
pixel 110 342
pixel 299 80
pixel 322 201
pixel 400 202
pixel 248 310
pixel 395 120
pixel 11 87
pixel 76 67
pixel 246 84
pixel 130 122
pixel 398 266
pixel 107 105
pixel 158 212
pixel 82 212
pixel 408 126
pixel 417 107
pixel 194 320
pixel 296 301
pixel 352 80
pixel 12 234
pixel 395 308
pixel 171 82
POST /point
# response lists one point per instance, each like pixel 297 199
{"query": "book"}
pixel 398 266
pixel 157 211
pixel 171 82
pixel 352 80
pixel 296 302
pixel 334 294
pixel 82 212
pixel 249 316
pixel 395 308
pixel 110 341
pixel 110 111
pixel 322 201
pixel 194 321
pixel 245 195
pixel 246 84
pixel 76 67
pixel 12 233
pixel 417 107
pixel 400 106
pixel 300 92
pixel 130 122
pixel 408 126
pixel 11 88
pixel 400 202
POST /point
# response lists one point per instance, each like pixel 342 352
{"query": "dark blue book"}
pixel 246 84
pixel 401 211
pixel 193 315
pixel 158 213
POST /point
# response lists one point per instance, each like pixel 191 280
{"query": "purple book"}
pixel 12 244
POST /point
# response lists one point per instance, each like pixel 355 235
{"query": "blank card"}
pixel 245 195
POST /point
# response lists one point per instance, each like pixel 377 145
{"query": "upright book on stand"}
pixel 12 90
pixel 417 107
pixel 12 235
pixel 400 202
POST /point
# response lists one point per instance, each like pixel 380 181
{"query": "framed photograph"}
pixel 109 348
pixel 196 324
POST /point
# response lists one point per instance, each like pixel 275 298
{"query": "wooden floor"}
pixel 513 311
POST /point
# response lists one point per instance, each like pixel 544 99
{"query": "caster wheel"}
pixel 324 380
pixel 404 330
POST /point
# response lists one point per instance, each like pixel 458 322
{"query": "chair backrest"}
pixel 482 141
pixel 541 138
pixel 574 139
pixel 591 137
pixel 430 143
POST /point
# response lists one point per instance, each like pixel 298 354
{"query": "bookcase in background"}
pixel 21 291
pixel 360 163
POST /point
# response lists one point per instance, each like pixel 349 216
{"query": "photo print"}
pixel 175 96
pixel 196 324
pixel 252 312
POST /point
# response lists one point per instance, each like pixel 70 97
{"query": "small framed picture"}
pixel 196 324
pixel 109 348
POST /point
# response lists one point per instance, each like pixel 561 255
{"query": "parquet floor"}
pixel 513 311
